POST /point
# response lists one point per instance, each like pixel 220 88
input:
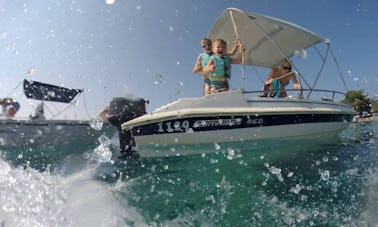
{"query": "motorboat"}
pixel 37 131
pixel 239 117
pixel 231 117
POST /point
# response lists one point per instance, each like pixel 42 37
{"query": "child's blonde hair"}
pixel 221 41
pixel 206 41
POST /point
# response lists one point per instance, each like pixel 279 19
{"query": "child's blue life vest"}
pixel 222 68
pixel 205 57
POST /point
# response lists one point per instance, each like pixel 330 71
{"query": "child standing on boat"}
pixel 218 68
pixel 204 58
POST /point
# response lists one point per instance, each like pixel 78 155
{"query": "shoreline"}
pixel 368 119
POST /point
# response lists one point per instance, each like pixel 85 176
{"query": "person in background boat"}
pixel 10 107
pixel 278 79
pixel 218 68
pixel 39 113
pixel 204 57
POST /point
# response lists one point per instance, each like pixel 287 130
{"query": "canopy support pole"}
pixel 280 50
pixel 338 68
pixel 324 59
pixel 237 36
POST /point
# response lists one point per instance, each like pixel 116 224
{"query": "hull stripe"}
pixel 198 124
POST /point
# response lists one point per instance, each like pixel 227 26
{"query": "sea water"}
pixel 328 185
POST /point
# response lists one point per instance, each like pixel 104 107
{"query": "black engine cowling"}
pixel 123 109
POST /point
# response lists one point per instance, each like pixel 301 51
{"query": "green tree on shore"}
pixel 374 105
pixel 360 102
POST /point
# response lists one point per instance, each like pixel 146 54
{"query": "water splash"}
pixel 102 152
pixel 277 172
pixel 27 196
pixel 301 53
pixel 96 124
pixel 110 2
pixel 158 78
pixel 230 153
pixel 32 71
pixel 324 174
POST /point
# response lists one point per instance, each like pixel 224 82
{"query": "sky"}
pixel 143 48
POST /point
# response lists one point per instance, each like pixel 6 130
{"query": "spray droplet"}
pixel 110 2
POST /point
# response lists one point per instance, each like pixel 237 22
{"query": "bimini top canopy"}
pixel 267 40
pixel 48 92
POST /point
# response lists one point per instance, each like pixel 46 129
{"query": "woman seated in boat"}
pixel 278 79
pixel 10 107
pixel 219 66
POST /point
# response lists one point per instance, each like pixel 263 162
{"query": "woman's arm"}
pixel 272 74
pixel 296 83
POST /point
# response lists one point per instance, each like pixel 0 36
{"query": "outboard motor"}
pixel 123 109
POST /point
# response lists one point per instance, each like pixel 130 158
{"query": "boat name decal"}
pixel 185 125
pixel 176 126
pixel 217 122
pixel 255 121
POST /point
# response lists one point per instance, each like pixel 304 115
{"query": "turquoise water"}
pixel 329 185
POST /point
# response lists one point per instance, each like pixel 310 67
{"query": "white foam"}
pixel 32 198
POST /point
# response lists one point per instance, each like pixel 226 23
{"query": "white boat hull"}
pixel 231 118
pixel 175 144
